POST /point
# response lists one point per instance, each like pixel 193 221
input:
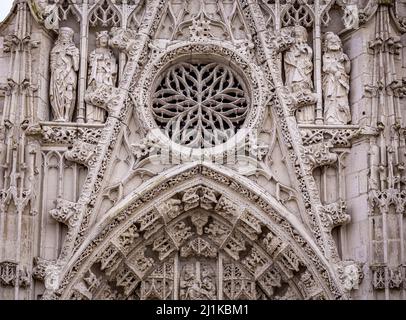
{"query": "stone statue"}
pixel 336 69
pixel 64 67
pixel 298 73
pixel 351 16
pixel 102 70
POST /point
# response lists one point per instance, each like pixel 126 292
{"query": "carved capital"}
pixel 390 44
pixel 146 147
pixel 383 199
pixel 39 270
pixel 8 272
pixel 68 135
pixel 65 212
pixel 82 152
pixel 303 98
pixel 13 43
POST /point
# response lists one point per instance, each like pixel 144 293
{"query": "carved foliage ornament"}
pixel 111 260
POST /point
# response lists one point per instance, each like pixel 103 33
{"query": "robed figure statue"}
pixel 102 70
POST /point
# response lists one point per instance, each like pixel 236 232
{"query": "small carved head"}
pixel 66 34
pixel 332 42
pixel 102 39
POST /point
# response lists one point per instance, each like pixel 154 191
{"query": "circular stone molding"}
pixel 201 99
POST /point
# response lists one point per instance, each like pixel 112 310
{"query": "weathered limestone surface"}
pixel 230 149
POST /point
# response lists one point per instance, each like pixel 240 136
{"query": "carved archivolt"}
pixel 197 221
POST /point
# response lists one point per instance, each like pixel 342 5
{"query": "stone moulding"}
pixel 10 272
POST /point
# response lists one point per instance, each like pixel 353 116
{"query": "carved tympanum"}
pixel 64 67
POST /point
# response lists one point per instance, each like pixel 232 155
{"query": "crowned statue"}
pixel 64 68
pixel 102 70
pixel 336 81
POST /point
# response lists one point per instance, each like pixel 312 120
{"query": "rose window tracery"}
pixel 200 105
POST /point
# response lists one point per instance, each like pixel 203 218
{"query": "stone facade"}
pixel 203 149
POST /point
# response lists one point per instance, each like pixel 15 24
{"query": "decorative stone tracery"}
pixel 190 81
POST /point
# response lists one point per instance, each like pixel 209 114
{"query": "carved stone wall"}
pixel 203 149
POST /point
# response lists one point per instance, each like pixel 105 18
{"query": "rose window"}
pixel 200 105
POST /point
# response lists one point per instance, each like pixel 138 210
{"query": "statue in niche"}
pixel 64 68
pixel 102 70
pixel 336 81
pixel 196 282
pixel 298 73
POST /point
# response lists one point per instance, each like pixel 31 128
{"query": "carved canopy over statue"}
pixel 64 67
pixel 336 81
pixel 102 70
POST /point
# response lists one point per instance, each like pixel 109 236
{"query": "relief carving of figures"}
pixel 336 81
pixel 298 73
pixel 102 70
pixel 64 68
pixel 197 282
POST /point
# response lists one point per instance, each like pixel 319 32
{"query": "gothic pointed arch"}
pixel 199 234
